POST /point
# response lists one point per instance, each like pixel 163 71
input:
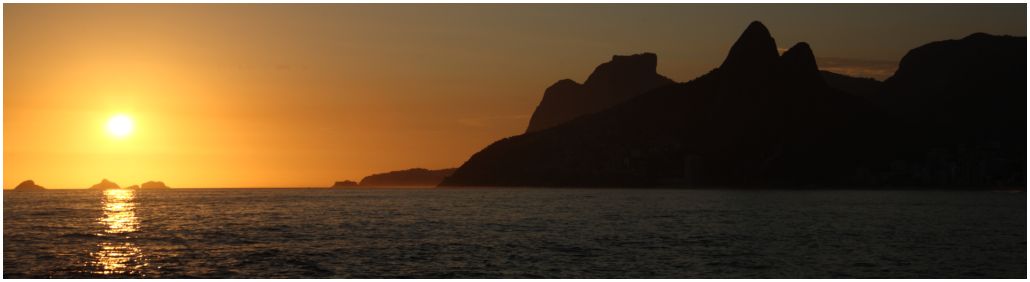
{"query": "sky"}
pixel 247 95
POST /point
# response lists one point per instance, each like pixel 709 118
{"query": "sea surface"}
pixel 514 233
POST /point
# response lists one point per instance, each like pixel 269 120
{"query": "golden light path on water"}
pixel 119 218
pixel 120 211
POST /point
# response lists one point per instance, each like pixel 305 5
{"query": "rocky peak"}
pixel 611 83
pixel 754 50
pixel 799 62
pixel 643 64
pixel 800 56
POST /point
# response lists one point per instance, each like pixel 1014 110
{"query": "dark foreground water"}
pixel 555 233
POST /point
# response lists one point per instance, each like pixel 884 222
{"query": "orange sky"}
pixel 304 95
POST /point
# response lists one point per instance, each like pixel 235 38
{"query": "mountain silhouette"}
pixel 966 82
pixel 407 178
pixel 754 52
pixel 760 119
pixel 962 103
pixel 611 83
pixel 28 185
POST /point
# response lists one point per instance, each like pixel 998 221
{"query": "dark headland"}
pixel 951 116
pixel 344 184
pixel 415 177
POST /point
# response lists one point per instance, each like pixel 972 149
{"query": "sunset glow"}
pixel 305 95
pixel 514 141
pixel 120 126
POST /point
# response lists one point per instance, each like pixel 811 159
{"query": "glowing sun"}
pixel 119 125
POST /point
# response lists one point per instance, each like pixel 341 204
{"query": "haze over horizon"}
pixel 304 95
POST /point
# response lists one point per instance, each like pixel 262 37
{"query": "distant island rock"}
pixel 28 185
pixel 132 187
pixel 344 184
pixel 105 184
pixel 415 177
pixel 154 185
pixel 611 83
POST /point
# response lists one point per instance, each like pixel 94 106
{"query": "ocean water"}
pixel 514 233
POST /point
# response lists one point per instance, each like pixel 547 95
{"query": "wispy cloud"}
pixel 875 69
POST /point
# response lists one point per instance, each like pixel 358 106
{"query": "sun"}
pixel 119 126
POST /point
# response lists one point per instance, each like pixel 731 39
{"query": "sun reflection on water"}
pixel 118 256
pixel 120 211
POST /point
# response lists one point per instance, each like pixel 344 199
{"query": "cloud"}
pixel 876 69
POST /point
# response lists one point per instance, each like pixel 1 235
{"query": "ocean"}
pixel 514 233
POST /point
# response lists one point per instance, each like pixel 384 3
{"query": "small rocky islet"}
pixel 104 184
pixel 107 184
pixel 28 185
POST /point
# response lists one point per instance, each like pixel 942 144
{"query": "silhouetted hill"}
pixel 407 178
pixel 760 119
pixel 153 185
pixel 105 184
pixel 611 83
pixel 952 116
pixel 859 86
pixel 28 185
pixel 963 105
pixel 963 82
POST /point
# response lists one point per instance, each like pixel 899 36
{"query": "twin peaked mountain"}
pixel 760 119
